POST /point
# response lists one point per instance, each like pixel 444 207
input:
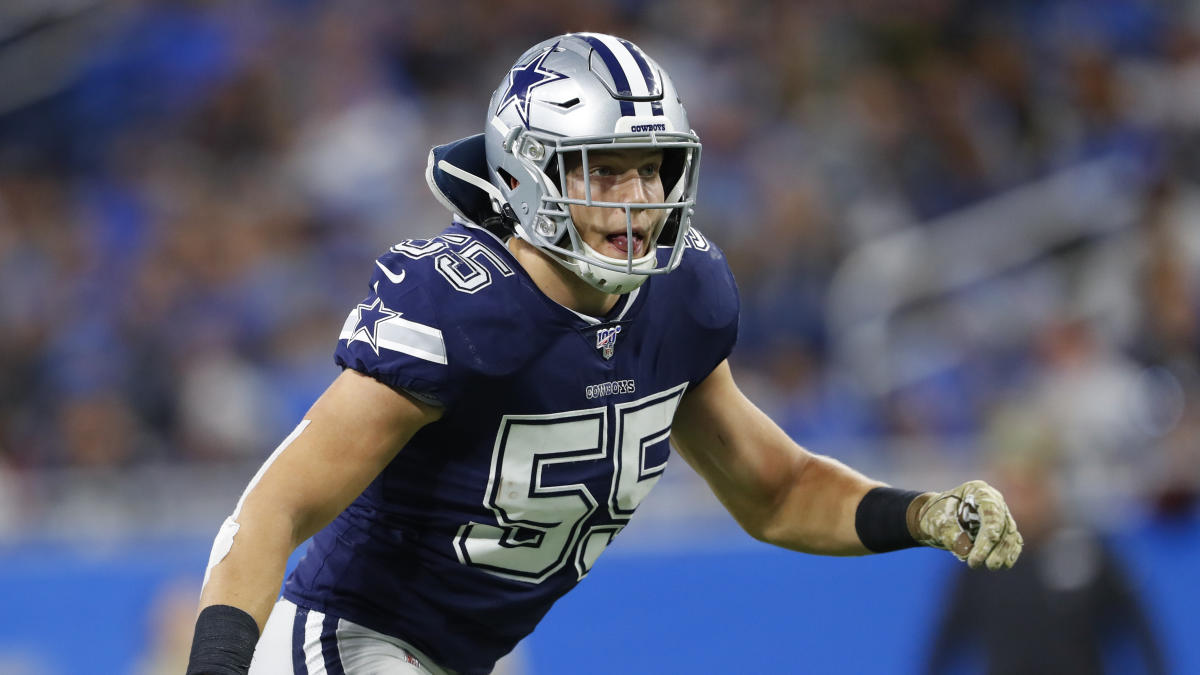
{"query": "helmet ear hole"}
pixel 554 176
pixel 509 179
pixel 673 163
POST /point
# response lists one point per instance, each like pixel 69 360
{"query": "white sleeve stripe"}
pixel 401 335
pixel 396 322
pixel 404 348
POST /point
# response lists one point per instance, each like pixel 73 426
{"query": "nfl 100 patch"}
pixel 606 340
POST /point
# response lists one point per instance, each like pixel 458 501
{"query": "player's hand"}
pixel 971 521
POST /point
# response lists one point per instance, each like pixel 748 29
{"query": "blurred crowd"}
pixel 191 195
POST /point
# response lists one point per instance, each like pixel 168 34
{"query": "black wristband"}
pixel 882 519
pixel 223 643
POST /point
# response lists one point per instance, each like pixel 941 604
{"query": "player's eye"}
pixel 649 170
pixel 601 171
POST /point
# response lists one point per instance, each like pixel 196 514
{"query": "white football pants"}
pixel 307 642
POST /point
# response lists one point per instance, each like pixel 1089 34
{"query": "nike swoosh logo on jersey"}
pixel 392 276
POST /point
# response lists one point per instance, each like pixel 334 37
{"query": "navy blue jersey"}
pixel 555 427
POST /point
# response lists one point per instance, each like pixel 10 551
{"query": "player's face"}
pixel 617 176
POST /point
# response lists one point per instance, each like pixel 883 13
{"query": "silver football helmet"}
pixel 575 94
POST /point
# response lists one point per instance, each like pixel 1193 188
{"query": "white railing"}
pixel 904 288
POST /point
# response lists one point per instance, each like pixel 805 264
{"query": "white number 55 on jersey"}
pixel 539 526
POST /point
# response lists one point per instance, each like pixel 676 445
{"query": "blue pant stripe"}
pixel 329 646
pixel 299 663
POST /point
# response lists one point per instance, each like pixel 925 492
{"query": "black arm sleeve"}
pixel 223 643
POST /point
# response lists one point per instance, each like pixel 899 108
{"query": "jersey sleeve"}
pixel 394 335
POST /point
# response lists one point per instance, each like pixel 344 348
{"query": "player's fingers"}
pixel 993 525
pixel 1018 543
pixel 1009 547
pixel 1015 552
pixel 1000 555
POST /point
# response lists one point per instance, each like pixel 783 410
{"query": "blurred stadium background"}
pixel 967 236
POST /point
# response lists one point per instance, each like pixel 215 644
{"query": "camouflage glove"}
pixel 971 521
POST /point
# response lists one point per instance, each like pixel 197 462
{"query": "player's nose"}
pixel 635 189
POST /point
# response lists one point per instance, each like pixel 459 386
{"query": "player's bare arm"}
pixel 351 432
pixel 778 491
pixel 787 496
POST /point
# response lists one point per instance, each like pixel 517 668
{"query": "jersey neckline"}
pixel 619 312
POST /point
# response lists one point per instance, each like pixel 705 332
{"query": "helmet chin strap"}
pixel 611 281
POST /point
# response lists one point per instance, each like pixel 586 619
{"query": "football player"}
pixel 509 390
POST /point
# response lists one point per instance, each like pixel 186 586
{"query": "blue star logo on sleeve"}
pixel 523 79
pixel 369 318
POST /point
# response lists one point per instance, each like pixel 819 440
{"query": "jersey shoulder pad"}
pixel 488 312
pixel 439 310
pixel 706 284
pixel 700 302
pixel 395 334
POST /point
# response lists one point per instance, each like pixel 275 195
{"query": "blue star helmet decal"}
pixel 369 318
pixel 522 79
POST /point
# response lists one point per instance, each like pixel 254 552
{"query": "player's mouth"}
pixel 621 242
